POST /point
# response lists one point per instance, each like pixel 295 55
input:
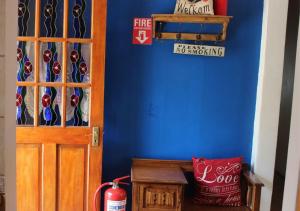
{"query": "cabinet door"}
pixel 59 103
pixel 159 197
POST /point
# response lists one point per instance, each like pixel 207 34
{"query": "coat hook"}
pixel 160 28
pixel 198 36
pixel 158 35
pixel 178 36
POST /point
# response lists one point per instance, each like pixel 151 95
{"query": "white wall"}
pixel 293 163
pixel 269 94
pixel 2 75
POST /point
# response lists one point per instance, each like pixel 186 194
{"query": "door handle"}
pixel 95 141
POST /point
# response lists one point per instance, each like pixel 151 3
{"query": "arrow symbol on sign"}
pixel 142 37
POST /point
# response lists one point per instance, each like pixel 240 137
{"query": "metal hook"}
pixel 218 38
pixel 158 35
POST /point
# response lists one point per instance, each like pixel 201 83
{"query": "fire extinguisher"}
pixel 114 197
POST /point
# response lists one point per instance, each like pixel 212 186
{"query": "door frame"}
pixel 269 95
pixel 10 112
pixel 268 105
pixel 293 162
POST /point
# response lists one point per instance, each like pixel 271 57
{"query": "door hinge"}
pixel 95 141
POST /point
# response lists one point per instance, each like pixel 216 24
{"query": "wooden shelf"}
pixel 160 19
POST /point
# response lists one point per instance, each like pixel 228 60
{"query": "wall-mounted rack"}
pixel 160 19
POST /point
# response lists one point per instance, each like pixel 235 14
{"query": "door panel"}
pixel 59 100
pixel 49 177
pixel 28 177
pixel 72 179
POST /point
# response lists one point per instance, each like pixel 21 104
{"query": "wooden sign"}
pixel 199 50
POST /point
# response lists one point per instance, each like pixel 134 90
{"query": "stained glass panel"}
pixel 25 105
pixel 77 112
pixel 51 62
pixel 80 18
pixel 25 61
pixel 26 16
pixel 52 18
pixel 78 63
pixel 50 106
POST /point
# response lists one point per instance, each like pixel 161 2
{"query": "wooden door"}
pixel 59 103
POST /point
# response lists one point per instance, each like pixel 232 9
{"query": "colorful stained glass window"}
pixel 25 61
pixel 77 112
pixel 26 17
pixel 52 18
pixel 25 105
pixel 51 62
pixel 53 56
pixel 78 63
pixel 50 106
pixel 80 18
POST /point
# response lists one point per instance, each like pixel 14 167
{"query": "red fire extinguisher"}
pixel 114 197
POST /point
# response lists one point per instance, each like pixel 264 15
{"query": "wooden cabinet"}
pixel 157 188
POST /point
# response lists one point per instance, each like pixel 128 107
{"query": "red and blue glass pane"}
pixel 25 61
pixel 25 106
pixel 52 13
pixel 79 18
pixel 77 111
pixel 78 63
pixel 50 106
pixel 51 62
pixel 26 17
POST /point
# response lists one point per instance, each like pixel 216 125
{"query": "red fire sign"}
pixel 142 31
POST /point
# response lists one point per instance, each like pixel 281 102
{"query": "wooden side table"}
pixel 157 188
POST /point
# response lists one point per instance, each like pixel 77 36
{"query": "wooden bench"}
pixel 250 186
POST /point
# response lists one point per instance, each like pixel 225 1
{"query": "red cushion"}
pixel 218 181
pixel 220 7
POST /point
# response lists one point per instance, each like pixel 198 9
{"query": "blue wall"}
pixel 161 105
